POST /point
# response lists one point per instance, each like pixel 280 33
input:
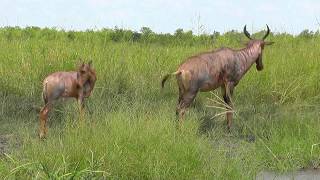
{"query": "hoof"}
pixel 229 129
pixel 42 136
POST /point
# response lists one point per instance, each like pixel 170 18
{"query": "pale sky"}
pixel 164 16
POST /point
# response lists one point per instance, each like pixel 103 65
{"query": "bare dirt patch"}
pixel 305 174
pixel 5 143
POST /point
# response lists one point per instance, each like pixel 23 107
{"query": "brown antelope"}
pixel 77 84
pixel 221 68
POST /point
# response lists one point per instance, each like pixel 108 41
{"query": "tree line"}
pixel 144 35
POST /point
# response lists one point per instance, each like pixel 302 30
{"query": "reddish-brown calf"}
pixel 75 84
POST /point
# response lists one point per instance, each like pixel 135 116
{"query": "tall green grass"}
pixel 129 131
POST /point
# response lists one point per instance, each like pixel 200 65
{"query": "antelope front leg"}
pixel 227 96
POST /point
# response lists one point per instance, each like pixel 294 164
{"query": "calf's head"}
pixel 259 46
pixel 86 77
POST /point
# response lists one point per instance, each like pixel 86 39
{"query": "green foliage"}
pixel 129 130
pixel 307 34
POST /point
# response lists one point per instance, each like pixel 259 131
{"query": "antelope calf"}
pixel 221 68
pixel 76 84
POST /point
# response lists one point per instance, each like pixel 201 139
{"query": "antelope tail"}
pixel 44 93
pixel 166 77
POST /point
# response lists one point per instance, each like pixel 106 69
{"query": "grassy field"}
pixel 129 129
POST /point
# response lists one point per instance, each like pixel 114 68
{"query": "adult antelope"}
pixel 77 84
pixel 221 68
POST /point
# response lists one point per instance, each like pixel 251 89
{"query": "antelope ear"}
pixel 268 43
pixel 80 64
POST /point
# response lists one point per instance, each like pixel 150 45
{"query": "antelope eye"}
pixel 82 71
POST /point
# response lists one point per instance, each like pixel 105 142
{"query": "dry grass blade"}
pixel 312 147
pixel 221 105
pixel 8 156
pixel 21 166
pixel 219 114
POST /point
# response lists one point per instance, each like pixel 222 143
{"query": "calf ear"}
pixel 80 65
pixel 268 43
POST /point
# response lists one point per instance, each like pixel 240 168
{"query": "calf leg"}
pixel 81 105
pixel 227 95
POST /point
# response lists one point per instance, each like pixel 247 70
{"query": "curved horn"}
pixel 268 31
pixel 246 32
